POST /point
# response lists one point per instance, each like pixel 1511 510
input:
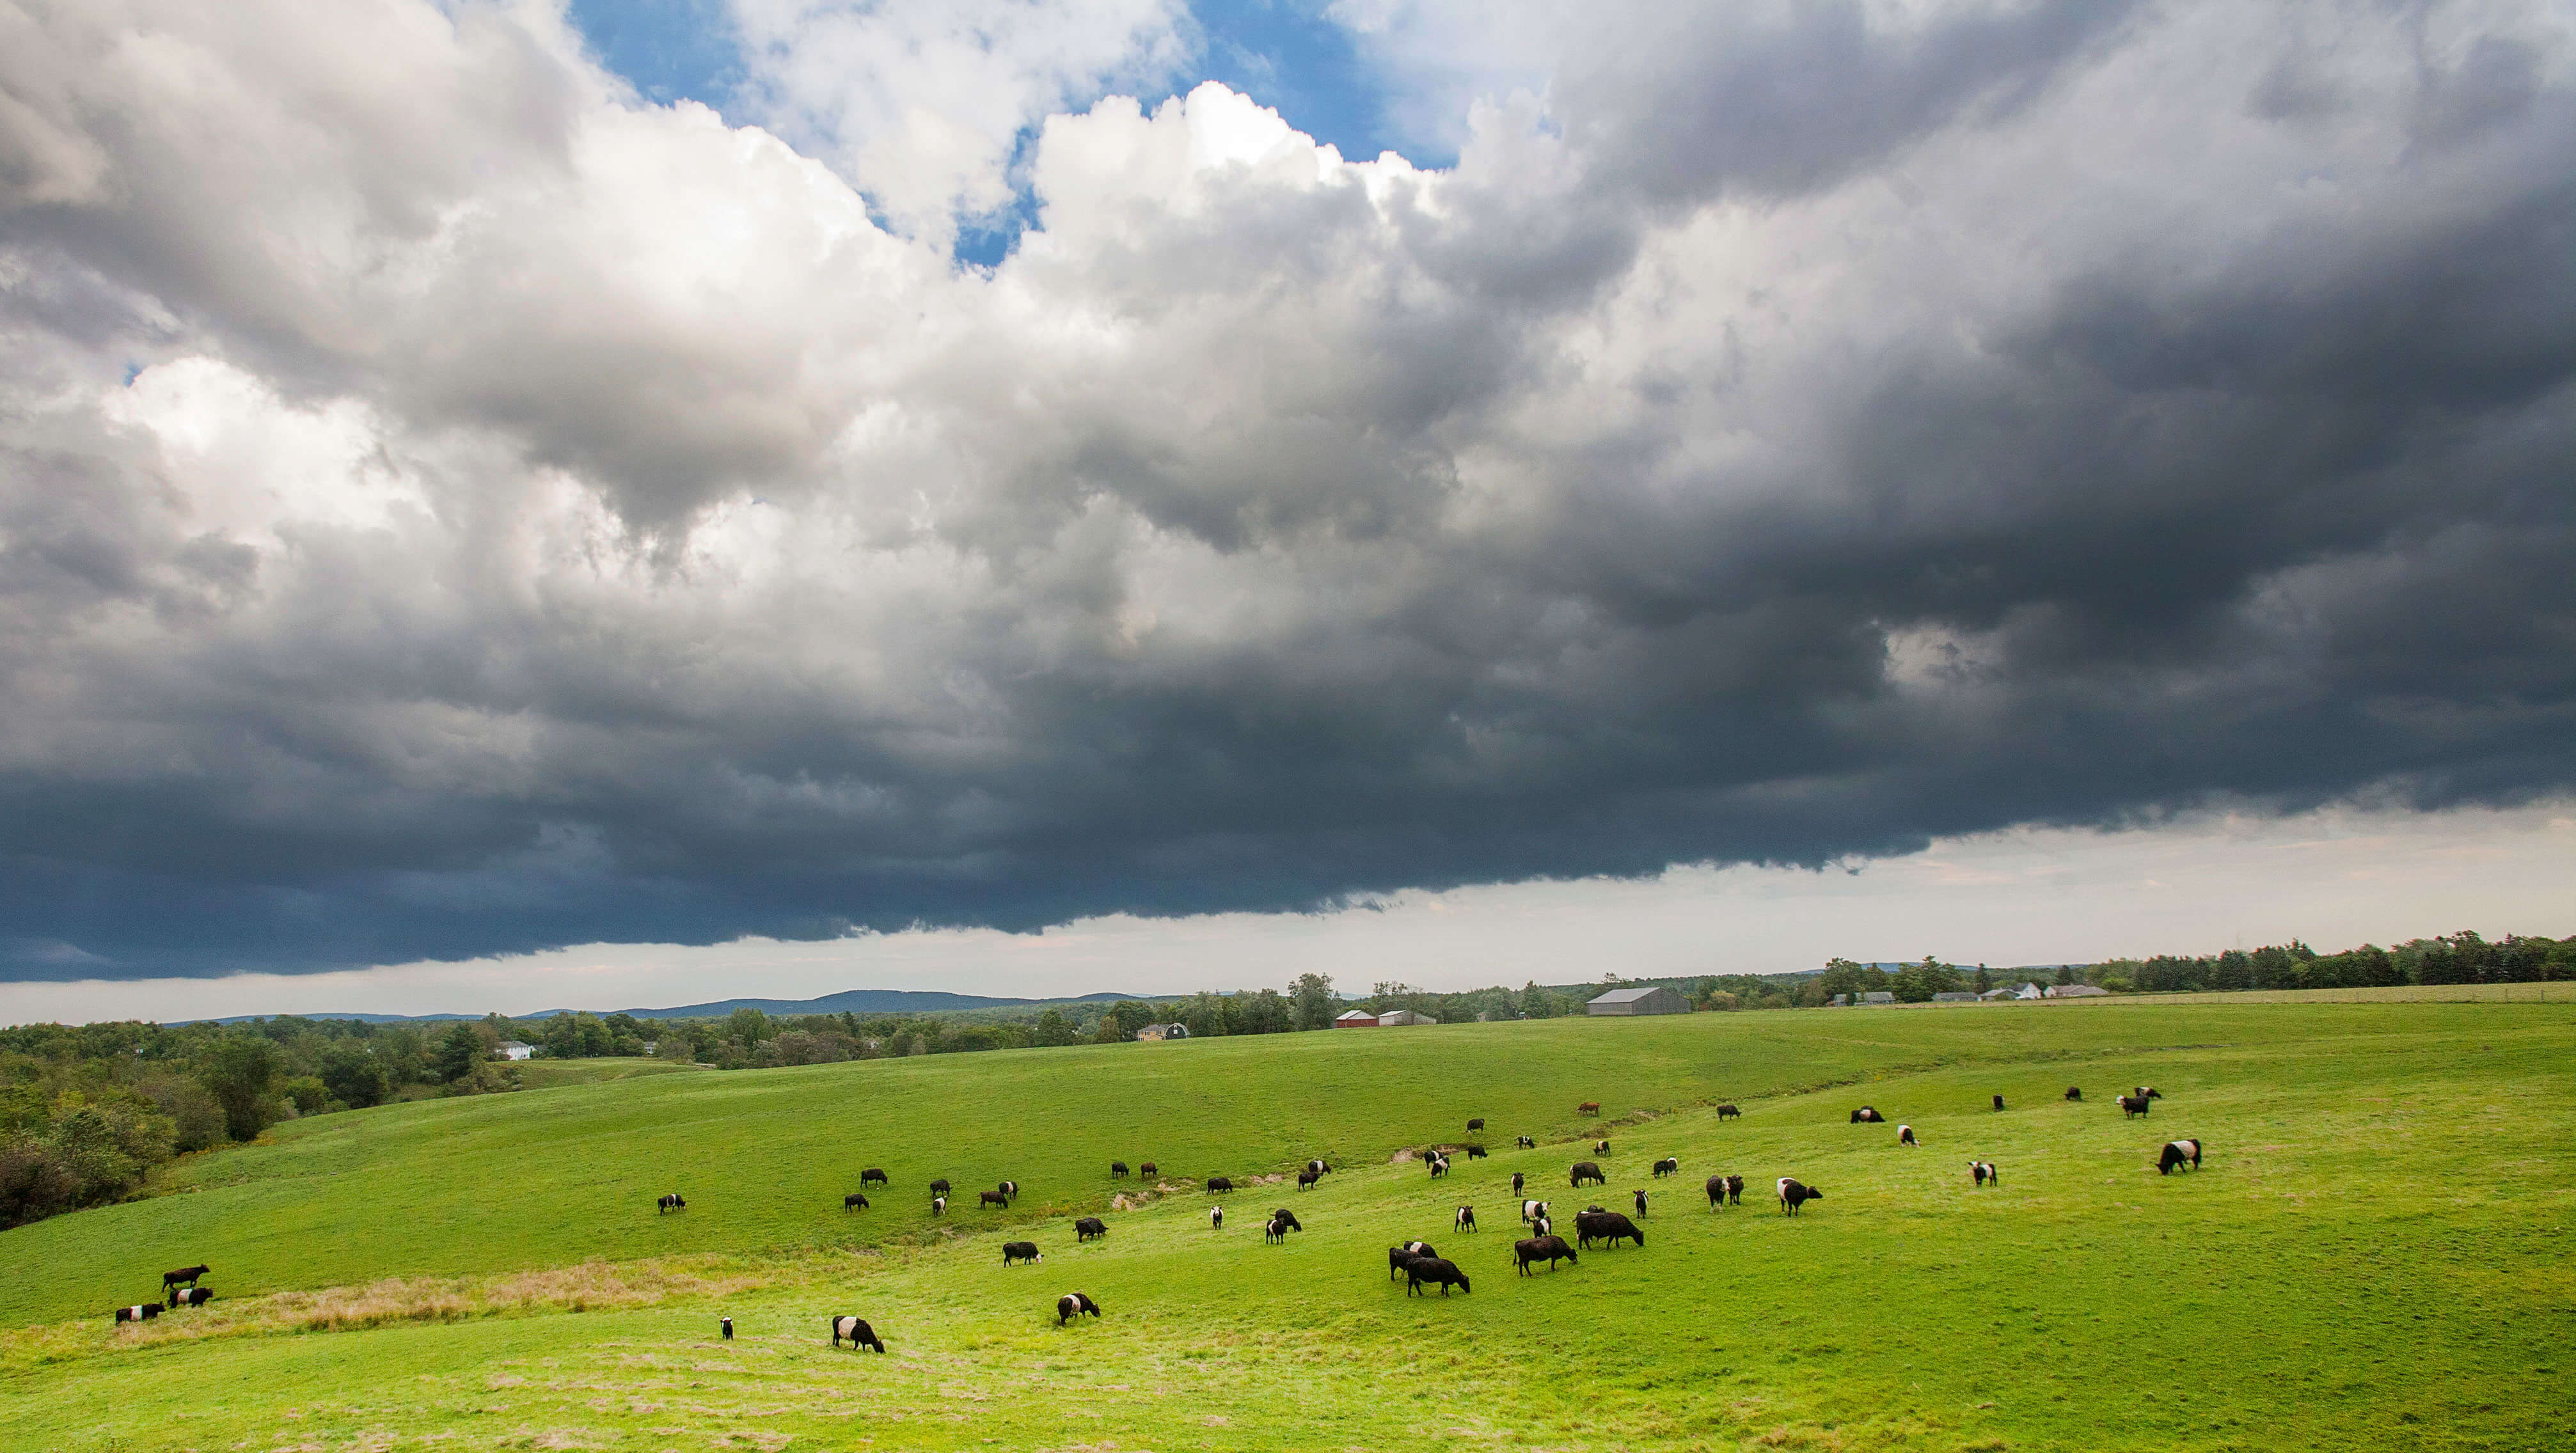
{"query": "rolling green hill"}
pixel 2375 1255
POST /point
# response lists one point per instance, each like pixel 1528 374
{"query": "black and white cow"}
pixel 725 1325
pixel 1088 1227
pixel 184 1276
pixel 2132 1105
pixel 1306 1179
pixel 1867 1115
pixel 1439 1166
pixel 1532 1210
pixel 670 1202
pixel 1282 1221
pixel 1517 1180
pixel 854 1202
pixel 143 1313
pixel 2177 1154
pixel 939 1205
pixel 1008 1189
pixel 1670 1165
pixel 940 1187
pixel 190 1297
pixel 1984 1171
pixel 1542 1225
pixel 1014 1252
pixel 1640 1198
pixel 2075 1092
pixel 1729 1112
pixel 1117 1168
pixel 993 1198
pixel 1551 1249
pixel 1526 1143
pixel 1905 1136
pixel 1072 1305
pixel 2147 1092
pixel 1725 1190
pixel 1476 1124
pixel 1423 1271
pixel 1465 1220
pixel 1584 1171
pixel 1794 1195
pixel 1318 1168
pixel 873 1176
pixel 1601 1147
pixel 1216 1218
pixel 1607 1226
pixel 1219 1183
pixel 854 1328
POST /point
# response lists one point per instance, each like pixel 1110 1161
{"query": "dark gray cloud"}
pixel 1785 442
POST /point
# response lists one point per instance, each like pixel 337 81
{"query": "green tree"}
pixel 353 1076
pixel 1051 1028
pixel 458 1051
pixel 1314 1001
pixel 240 1071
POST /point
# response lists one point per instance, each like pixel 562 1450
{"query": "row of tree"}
pixel 2457 958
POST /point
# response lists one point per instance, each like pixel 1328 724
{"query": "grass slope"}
pixel 2376 1255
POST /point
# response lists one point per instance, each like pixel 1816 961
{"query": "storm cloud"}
pixel 450 506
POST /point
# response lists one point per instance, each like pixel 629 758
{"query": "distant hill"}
pixel 853 1001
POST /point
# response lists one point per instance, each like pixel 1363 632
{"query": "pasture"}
pixel 2375 1253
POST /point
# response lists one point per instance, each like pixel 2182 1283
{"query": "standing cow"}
pixel 1640 1198
pixel 873 1176
pixel 1867 1115
pixel 993 1198
pixel 1999 1104
pixel 2132 1105
pixel 1282 1221
pixel 939 1205
pixel 144 1313
pixel 2177 1153
pixel 1219 1183
pixel 1516 1182
pixel 1089 1227
pixel 1588 1107
pixel 1984 1172
pixel 858 1331
pixel 1476 1124
pixel 1794 1195
pixel 1605 1226
pixel 1465 1220
pixel 1729 1112
pixel 670 1202
pixel 1525 1142
pixel 1425 1271
pixel 1014 1252
pixel 1117 1168
pixel 1148 1169
pixel 1550 1248
pixel 2075 1092
pixel 854 1202
pixel 1306 1179
pixel 1905 1136
pixel 725 1325
pixel 1725 1190
pixel 1584 1171
pixel 190 1297
pixel 184 1276
pixel 1669 1165
pixel 1074 1304
pixel 1216 1218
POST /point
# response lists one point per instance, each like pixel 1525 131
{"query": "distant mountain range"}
pixel 853 1001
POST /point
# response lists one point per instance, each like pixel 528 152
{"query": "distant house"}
pixel 1992 995
pixel 513 1049
pixel 1954 996
pixel 1396 1017
pixel 2030 991
pixel 1653 999
pixel 1355 1019
pixel 2076 991
pixel 1841 1001
pixel 1163 1031
pixel 1878 996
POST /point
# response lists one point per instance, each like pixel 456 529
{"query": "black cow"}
pixel 2147 1092
pixel 872 1176
pixel 1019 1251
pixel 2176 1153
pixel 992 1198
pixel 1147 1169
pixel 191 1297
pixel 939 1205
pixel 1216 1218
pixel 1425 1271
pixel 939 1187
pixel 2075 1092
pixel 854 1328
pixel 1984 1171
pixel 1516 1183
pixel 1999 1102
pixel 1476 1124
pixel 1475 1152
pixel 1729 1112
pixel 1550 1249
pixel 1640 1198
pixel 670 1202
pixel 1465 1220
pixel 1866 1115
pixel 1282 1221
pixel 1397 1259
pixel 1009 1188
pixel 1669 1165
pixel 2132 1105
pixel 1306 1180
pixel 1219 1183
pixel 1526 1143
pixel 1905 1136
pixel 1585 1170
pixel 1117 1168
pixel 1072 1305
pixel 1725 1189
pixel 143 1313
pixel 184 1276
pixel 1607 1226
pixel 1088 1227
pixel 854 1202
pixel 1794 1195
pixel 1601 1147
pixel 725 1325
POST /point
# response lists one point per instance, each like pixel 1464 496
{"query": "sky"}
pixel 759 496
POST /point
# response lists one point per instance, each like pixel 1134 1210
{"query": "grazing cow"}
pixel 992 1198
pixel 1601 1147
pixel 1866 1115
pixel 191 1297
pixel 143 1313
pixel 1425 1271
pixel 1984 1171
pixel 1542 1225
pixel 1019 1251
pixel 184 1276
pixel 1608 1226
pixel 1475 1152
pixel 1147 1169
pixel 1669 1165
pixel 939 1205
pixel 1640 1199
pixel 1905 1136
pixel 1216 1218
pixel 1585 1170
pixel 1397 1258
pixel 1318 1168
pixel 1530 1210
pixel 854 1202
pixel 1009 1188
pixel 854 1328
pixel 1794 1195
pixel 1072 1305
pixel 2176 1153
pixel 1526 1143
pixel 1476 1124
pixel 1465 1220
pixel 1088 1227
pixel 1550 1249
pixel 1117 1168
pixel 940 1186
pixel 2075 1092
pixel 1729 1112
pixel 1219 1183
pixel 1306 1180
pixel 1282 1221
pixel 670 1202
pixel 725 1325
pixel 1420 1248
pixel 1588 1107
pixel 872 1176
pixel 2132 1105
pixel 2147 1092
pixel 1439 1167
pixel 1516 1182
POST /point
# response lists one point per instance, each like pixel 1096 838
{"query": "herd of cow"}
pixel 1416 1262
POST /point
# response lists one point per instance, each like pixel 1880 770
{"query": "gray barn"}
pixel 1655 999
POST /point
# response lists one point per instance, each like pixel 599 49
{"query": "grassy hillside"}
pixel 2375 1255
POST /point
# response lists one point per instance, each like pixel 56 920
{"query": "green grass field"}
pixel 2375 1256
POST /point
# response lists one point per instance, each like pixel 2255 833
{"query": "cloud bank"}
pixel 449 506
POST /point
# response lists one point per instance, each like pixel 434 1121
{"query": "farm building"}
pixel 1878 996
pixel 1355 1019
pixel 1954 996
pixel 513 1049
pixel 1164 1031
pixel 2075 991
pixel 1395 1017
pixel 1654 999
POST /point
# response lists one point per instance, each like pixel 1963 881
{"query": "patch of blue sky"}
pixel 668 50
